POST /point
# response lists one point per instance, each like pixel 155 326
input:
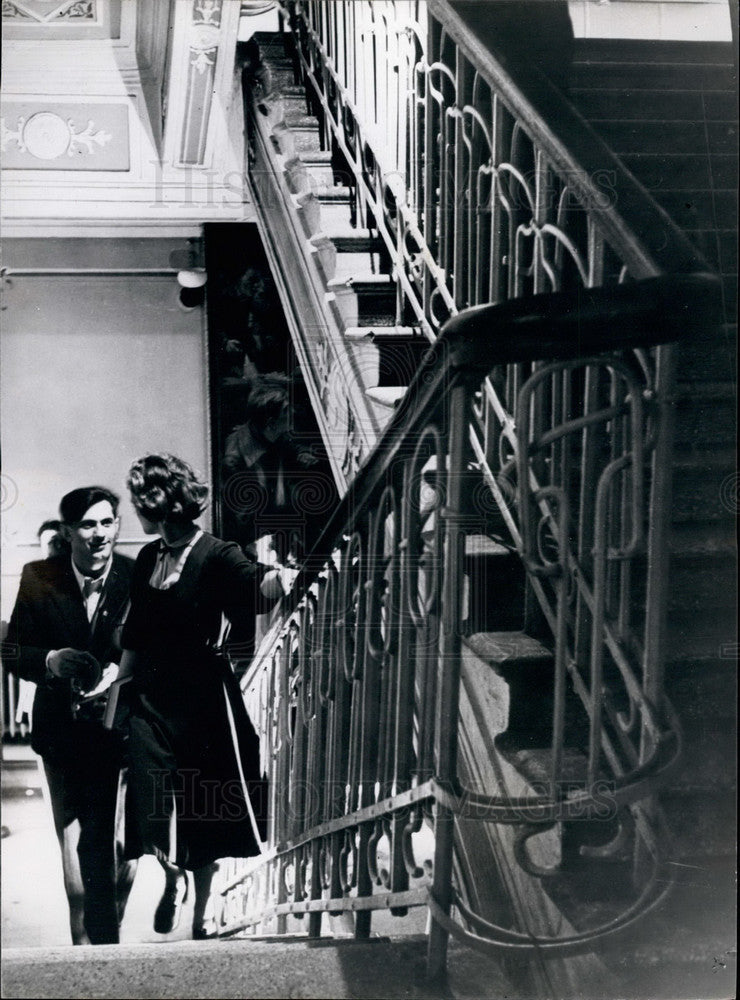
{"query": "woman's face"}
pixel 149 527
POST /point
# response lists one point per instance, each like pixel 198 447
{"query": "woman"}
pixel 192 750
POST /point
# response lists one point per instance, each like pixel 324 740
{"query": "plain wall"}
pixel 96 371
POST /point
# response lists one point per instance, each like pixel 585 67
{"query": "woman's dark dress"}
pixel 186 709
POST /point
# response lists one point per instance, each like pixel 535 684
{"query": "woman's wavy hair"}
pixel 165 488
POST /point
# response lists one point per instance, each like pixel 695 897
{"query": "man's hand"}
pixel 76 664
pixel 110 673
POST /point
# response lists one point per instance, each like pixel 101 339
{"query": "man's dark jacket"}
pixel 49 613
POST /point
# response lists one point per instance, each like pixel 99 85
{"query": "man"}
pixel 62 636
pixel 273 483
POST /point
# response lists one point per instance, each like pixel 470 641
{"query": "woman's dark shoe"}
pixel 167 914
pixel 200 933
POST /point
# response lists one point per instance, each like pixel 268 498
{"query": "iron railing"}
pixel 356 694
pixel 493 197
pixel 491 187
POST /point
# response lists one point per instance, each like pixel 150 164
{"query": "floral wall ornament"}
pixel 207 12
pixel 202 60
pixel 47 136
pixel 49 11
pixel 65 135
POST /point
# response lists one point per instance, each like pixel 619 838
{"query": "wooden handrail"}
pixel 561 325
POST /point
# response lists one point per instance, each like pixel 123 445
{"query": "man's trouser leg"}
pixel 97 849
pixel 67 829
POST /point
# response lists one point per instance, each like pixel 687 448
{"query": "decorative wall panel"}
pixel 50 19
pixel 64 136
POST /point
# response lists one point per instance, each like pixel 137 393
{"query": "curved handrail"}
pixel 555 326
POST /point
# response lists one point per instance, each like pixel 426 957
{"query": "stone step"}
pixel 336 216
pixel 705 635
pixel 658 105
pixel 691 172
pixel 248 968
pixel 391 333
pixel 652 52
pixel 701 580
pixel 658 135
pixel 527 667
pixel 399 360
pixel 336 194
pixel 717 246
pixel 703 488
pixel 305 138
pixel 694 539
pixel 355 264
pixel 712 358
pixel 706 413
pixel 293 100
pixel 706 689
pixel 631 76
pixel 350 240
pixel 700 209
pixel 701 821
pixel 21 777
pixel 489 608
pixel 388 396
pixel 282 76
pixel 365 301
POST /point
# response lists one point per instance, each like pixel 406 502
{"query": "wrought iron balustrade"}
pixel 486 186
pixel 482 179
pixel 357 692
pixel 542 417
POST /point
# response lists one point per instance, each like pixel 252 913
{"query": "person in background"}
pixel 62 636
pixel 193 753
pixel 51 539
pixel 266 470
pixel 52 543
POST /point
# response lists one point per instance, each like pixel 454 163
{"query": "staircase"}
pixel 378 349
pixel 669 110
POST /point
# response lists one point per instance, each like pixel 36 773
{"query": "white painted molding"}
pixel 662 20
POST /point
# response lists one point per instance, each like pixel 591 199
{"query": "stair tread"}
pixel 335 193
pixel 369 281
pixel 484 545
pixel 247 968
pixel 535 762
pixel 390 332
pixel 702 391
pixel 507 649
pixel 653 50
pixel 310 156
pixel 689 539
pixel 386 395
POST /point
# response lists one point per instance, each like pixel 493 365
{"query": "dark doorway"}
pixel 270 470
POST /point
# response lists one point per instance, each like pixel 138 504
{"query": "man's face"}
pixel 92 539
